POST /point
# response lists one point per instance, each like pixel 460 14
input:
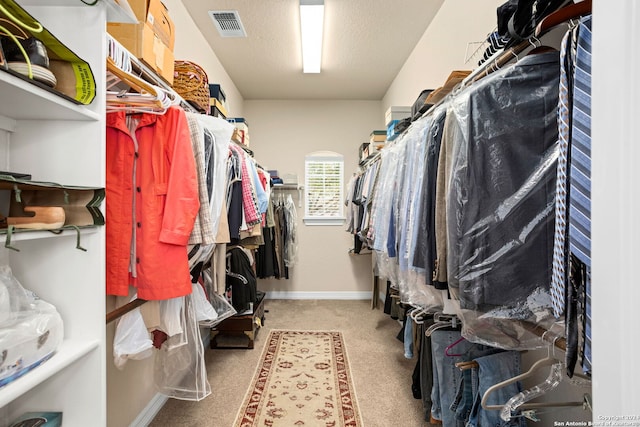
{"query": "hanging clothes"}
pixel 463 202
pixel 234 198
pixel 500 204
pixel 280 249
pixel 291 237
pixel 217 136
pixel 203 232
pixel 152 203
pixel 425 245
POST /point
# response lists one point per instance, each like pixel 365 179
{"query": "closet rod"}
pixel 560 16
pixel 121 311
pixel 147 74
pixel 502 60
pixel 559 342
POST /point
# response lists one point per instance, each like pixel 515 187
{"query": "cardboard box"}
pixel 215 91
pixel 378 136
pixel 152 39
pixel 217 109
pixel 156 15
pixel 396 113
pixel 241 137
pixel 239 122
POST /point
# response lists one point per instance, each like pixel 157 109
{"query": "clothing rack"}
pixel 370 160
pixel 145 73
pixel 121 311
pixel 551 21
pixel 290 187
pixel 141 71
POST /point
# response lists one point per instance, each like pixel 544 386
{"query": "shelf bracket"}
pixel 7 242
pixel 17 192
pixel 78 246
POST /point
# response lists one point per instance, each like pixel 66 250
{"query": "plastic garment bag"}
pixel 396 212
pixel 291 242
pixel 500 205
pixel 220 132
pixel 131 339
pixel 411 280
pixel 205 313
pixel 223 308
pixel 180 372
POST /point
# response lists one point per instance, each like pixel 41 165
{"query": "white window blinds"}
pixel 324 189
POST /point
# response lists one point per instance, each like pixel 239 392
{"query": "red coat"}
pixel 166 204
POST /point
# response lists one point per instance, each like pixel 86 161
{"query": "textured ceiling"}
pixel 366 42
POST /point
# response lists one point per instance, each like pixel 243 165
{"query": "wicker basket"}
pixel 190 81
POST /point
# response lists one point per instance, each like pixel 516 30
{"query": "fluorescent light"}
pixel 311 23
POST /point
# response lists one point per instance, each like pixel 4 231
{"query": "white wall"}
pixel 615 227
pixel 282 133
pixel 442 48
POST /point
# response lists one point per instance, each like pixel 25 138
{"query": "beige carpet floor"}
pixel 381 373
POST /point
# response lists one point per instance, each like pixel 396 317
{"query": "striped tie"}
pixel 559 270
pixel 580 171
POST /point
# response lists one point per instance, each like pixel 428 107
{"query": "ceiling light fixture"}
pixel 311 23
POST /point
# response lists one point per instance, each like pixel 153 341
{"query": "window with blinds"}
pixel 324 199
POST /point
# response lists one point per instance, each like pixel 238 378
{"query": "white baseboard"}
pixel 147 415
pixel 337 295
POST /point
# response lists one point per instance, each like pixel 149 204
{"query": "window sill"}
pixel 324 221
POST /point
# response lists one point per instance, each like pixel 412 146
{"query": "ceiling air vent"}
pixel 228 23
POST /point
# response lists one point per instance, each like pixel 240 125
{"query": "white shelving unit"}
pixel 58 141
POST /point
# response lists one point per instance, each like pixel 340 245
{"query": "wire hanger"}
pixel 447 351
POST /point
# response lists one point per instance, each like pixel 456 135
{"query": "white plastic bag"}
pixel 205 313
pixel 173 321
pixel 131 340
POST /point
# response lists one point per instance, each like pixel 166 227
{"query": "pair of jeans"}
pixel 493 369
pixel 468 386
pixel 446 376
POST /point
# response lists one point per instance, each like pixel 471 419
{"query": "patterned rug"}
pixel 303 380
